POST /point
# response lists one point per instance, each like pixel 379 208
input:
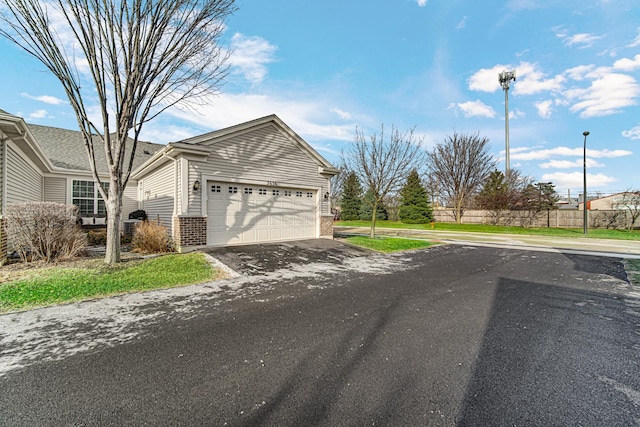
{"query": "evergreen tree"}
pixel 414 201
pixel 366 208
pixel 351 201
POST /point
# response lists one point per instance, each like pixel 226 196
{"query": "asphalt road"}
pixel 452 335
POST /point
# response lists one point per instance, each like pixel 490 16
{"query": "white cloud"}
pixel 607 94
pixel 422 3
pixel 580 40
pixel 47 99
pixel 310 119
pixel 626 64
pixel 486 79
pixel 543 154
pixel 345 115
pixel 544 108
pixel 633 133
pixel 39 114
pixel 636 41
pixel 476 108
pixel 532 80
pixel 575 179
pixel 568 164
pixel 462 23
pixel 250 56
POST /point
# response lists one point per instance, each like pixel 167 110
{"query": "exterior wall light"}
pixel 196 185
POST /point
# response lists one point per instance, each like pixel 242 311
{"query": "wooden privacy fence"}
pixel 559 218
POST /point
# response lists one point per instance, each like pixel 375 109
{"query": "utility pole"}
pixel 585 218
pixel 505 79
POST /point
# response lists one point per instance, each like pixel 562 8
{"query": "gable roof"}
pixel 66 150
pixel 232 131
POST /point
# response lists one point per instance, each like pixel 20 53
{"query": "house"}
pixel 254 182
pixel 618 201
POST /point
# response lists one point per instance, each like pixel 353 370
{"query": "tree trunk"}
pixel 114 214
pixel 373 220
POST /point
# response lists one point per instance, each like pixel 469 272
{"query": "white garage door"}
pixel 243 213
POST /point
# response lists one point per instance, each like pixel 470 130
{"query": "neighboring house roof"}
pixel 66 150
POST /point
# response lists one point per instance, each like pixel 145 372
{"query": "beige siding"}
pixel 129 200
pixel 263 155
pixel 3 148
pixel 158 194
pixel 55 190
pixel 24 182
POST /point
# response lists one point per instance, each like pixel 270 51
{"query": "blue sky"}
pixel 327 67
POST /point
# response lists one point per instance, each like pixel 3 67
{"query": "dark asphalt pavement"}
pixel 448 336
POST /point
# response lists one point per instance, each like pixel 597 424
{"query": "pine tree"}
pixel 366 208
pixel 351 201
pixel 414 201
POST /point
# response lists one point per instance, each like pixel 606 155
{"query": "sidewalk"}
pixel 600 247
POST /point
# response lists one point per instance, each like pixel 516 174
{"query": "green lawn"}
pixel 53 285
pixel 388 244
pixel 482 228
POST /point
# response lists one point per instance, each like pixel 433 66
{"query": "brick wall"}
pixel 190 231
pixel 326 226
pixel 3 242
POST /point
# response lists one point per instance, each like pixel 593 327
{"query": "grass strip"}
pixel 597 233
pixel 388 244
pixel 54 285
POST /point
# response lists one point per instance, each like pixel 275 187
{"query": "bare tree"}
pixel 460 165
pixel 382 165
pixel 631 203
pixel 134 59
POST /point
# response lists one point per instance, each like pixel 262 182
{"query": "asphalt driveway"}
pixel 451 335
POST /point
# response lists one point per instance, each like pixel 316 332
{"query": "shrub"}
pixel 97 237
pixel 44 231
pixel 151 237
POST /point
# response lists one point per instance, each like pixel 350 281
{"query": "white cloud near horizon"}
pixel 575 179
pixel 250 55
pixel 312 120
pixel 568 164
pixel 422 3
pixel 547 153
pixel 47 99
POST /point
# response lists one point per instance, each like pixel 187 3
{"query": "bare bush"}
pixel 609 219
pixel 151 237
pixel 44 231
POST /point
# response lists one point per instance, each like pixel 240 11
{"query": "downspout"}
pixel 4 177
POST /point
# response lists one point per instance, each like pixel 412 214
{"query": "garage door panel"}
pixel 260 214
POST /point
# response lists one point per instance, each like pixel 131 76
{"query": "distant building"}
pixel 617 201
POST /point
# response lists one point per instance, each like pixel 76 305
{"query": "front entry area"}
pixel 246 213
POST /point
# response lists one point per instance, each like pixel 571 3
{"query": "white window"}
pixel 275 192
pixel 298 193
pixel 248 190
pixel 215 188
pixel 233 190
pixel 287 193
pixel 309 194
pixel 262 191
pixel 86 196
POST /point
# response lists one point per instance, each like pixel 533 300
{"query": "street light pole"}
pixel 584 176
pixel 505 78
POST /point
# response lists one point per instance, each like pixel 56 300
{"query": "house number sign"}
pixel 272 183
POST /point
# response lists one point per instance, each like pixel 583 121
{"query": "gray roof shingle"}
pixel 65 149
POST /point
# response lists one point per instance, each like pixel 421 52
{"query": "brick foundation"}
pixel 189 231
pixel 326 226
pixel 3 242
